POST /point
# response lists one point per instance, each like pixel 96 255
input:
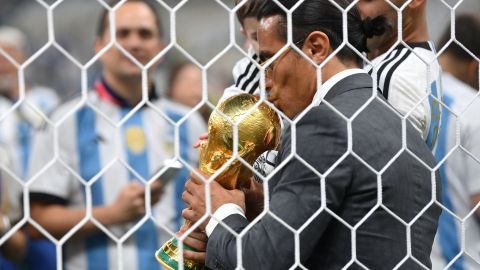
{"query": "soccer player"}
pixel 17 131
pixel 114 159
pixel 460 172
pixel 406 75
pixel 245 73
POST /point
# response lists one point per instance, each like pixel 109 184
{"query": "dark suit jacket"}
pixel 361 204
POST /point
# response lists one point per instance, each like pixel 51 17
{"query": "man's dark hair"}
pixel 322 15
pixel 103 21
pixel 467 32
pixel 248 10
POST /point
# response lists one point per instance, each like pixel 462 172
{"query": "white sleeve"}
pixel 239 68
pixel 246 74
pixel 222 212
pixel 230 92
pixel 407 89
pixel 53 179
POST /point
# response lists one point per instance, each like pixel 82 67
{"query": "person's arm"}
pixel 406 90
pixel 246 74
pixel 295 199
pixel 14 247
pixel 58 219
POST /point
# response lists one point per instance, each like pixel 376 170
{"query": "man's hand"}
pixel 196 240
pixel 130 203
pixel 194 196
pixel 253 199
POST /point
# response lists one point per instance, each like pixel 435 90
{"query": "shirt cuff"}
pixel 222 212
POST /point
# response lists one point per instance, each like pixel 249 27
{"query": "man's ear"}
pixel 317 46
pixel 243 32
pixel 99 44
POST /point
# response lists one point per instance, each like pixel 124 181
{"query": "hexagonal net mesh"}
pixel 377 165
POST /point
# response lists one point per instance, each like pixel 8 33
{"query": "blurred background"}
pixel 202 29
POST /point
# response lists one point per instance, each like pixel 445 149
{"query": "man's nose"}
pixel 132 42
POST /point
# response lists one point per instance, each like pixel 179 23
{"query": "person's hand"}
pixel 194 196
pixel 253 199
pixel 196 240
pixel 202 138
pixel 130 203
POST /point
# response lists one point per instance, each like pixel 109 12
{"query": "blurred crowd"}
pixel 62 152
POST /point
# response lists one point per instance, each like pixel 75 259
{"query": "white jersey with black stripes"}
pixel 408 77
pixel 246 76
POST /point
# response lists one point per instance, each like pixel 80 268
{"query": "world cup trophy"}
pixel 258 131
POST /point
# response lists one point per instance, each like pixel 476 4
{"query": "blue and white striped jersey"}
pixel 409 79
pixel 16 132
pixel 19 125
pixel 88 142
pixel 460 176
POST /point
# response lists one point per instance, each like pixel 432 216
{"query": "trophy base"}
pixel 168 256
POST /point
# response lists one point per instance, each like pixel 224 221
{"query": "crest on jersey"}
pixel 135 138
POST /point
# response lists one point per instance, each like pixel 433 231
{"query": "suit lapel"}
pixel 355 81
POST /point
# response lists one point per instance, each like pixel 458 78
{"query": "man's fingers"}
pixel 139 202
pixel 135 188
pixel 195 243
pixel 198 257
pixel 187 197
pixel 189 214
pixel 201 236
pixel 198 180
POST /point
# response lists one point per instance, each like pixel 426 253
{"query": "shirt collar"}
pixel 328 85
pixel 107 93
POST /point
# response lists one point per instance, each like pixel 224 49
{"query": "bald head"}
pixel 13 43
pixel 12 38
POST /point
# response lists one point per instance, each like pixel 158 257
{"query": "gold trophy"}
pixel 258 131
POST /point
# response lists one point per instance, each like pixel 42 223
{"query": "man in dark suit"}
pixel 355 185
